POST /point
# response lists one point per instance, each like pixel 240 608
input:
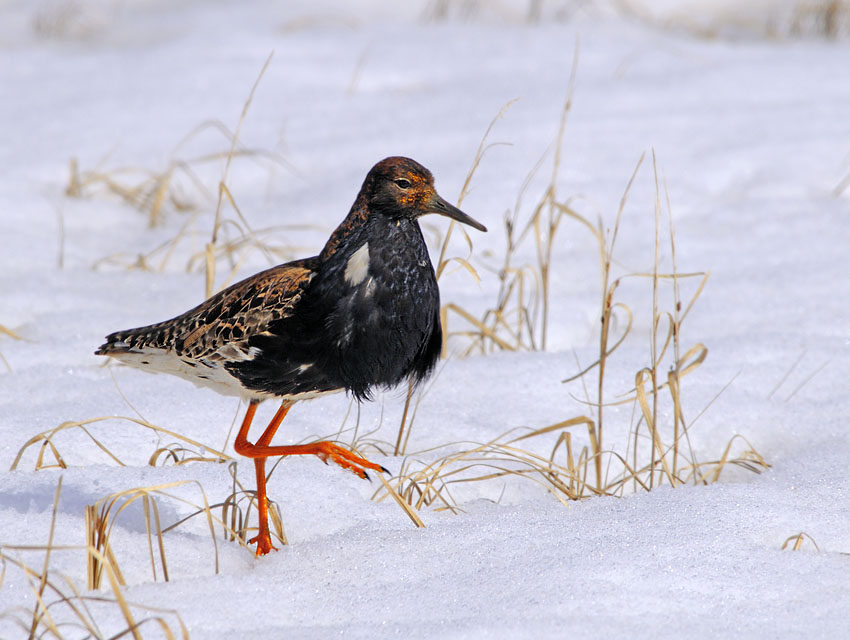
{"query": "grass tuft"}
pixel 519 318
pixel 798 541
pixel 237 511
pixel 179 188
pixel 101 518
pixel 61 610
pixel 581 463
pixel 414 395
pixel 49 455
pixel 828 19
pixel 236 517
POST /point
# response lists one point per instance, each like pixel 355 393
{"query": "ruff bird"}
pixel 362 315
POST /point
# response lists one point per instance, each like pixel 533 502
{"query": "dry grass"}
pixel 226 197
pixel 61 610
pixel 236 513
pixel 237 508
pixel 469 10
pixel 582 463
pixel 519 318
pixel 8 332
pixel 414 395
pixel 102 516
pixel 827 18
pixel 49 454
pixel 798 541
pixel 181 188
pixel 805 18
pixel 5 331
pixel 160 193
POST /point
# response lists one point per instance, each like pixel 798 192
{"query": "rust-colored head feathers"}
pixel 396 187
pixel 401 187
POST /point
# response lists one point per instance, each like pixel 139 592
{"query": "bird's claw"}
pixel 328 451
pixel 264 543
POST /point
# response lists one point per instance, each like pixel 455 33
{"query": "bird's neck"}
pixel 356 219
pixel 359 217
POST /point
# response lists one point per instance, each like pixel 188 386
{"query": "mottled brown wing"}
pixel 198 344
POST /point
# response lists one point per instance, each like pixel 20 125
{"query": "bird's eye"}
pixel 403 183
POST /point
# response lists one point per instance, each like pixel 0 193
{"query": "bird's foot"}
pixel 330 452
pixel 264 543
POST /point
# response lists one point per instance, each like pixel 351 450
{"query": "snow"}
pixel 751 138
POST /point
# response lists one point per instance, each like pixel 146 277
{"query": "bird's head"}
pixel 402 188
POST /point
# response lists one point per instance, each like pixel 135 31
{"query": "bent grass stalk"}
pixel 796 542
pixel 224 192
pixel 101 518
pixel 61 611
pixel 573 471
pixel 443 261
pixel 236 518
pixel 14 336
pixel 46 442
pixel 157 193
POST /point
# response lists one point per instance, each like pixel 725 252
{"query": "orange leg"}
pixel 262 450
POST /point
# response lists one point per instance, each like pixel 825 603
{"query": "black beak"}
pixel 438 205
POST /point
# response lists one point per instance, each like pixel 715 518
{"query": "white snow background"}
pixel 751 136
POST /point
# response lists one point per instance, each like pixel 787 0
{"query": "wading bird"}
pixel 363 314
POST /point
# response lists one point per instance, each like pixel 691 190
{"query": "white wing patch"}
pixel 357 267
pixel 234 353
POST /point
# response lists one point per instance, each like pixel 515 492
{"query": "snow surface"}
pixel 752 138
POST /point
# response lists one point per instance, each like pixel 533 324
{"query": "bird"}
pixel 362 315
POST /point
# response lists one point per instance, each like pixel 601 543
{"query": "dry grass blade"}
pixel 404 505
pixel 795 542
pixel 650 418
pixel 61 611
pixel 101 518
pixel 8 332
pixel 626 330
pixel 841 187
pixel 519 318
pixel 750 459
pixel 236 521
pixel 223 191
pixel 399 449
pixel 413 398
pixel 558 426
pixel 483 147
pixel 658 450
pixel 807 379
pixel 443 260
pixel 787 375
pixel 483 330
pixel 41 610
pixel 46 442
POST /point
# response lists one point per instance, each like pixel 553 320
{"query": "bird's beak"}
pixel 438 205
